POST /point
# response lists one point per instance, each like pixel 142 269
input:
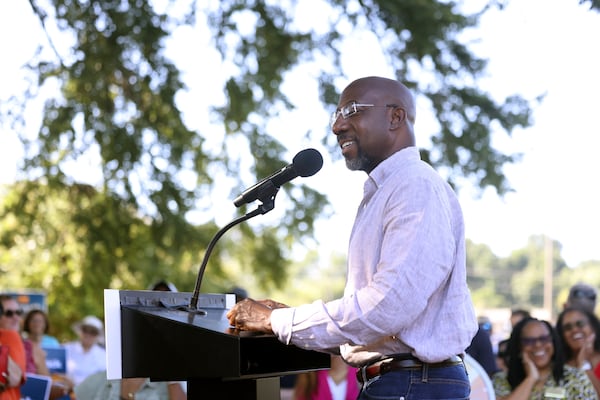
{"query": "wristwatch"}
pixel 586 366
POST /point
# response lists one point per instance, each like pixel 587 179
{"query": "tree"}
pixel 594 4
pixel 588 272
pixel 518 280
pixel 485 276
pixel 77 241
pixel 418 39
pixel 117 105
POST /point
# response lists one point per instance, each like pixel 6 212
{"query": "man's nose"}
pixel 339 126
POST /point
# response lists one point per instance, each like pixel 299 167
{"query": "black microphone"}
pixel 306 163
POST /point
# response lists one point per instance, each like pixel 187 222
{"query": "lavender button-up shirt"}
pixel 406 290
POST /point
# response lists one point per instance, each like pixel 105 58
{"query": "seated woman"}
pixel 36 327
pixel 536 367
pixel 579 331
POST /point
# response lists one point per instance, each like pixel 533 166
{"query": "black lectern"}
pixel 151 334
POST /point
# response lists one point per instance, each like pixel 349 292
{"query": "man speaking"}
pixel 406 316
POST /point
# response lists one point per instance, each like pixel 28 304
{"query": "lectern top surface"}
pixel 213 319
pixel 174 306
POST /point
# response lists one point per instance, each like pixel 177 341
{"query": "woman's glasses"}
pixel 12 313
pixel 531 341
pixel 572 325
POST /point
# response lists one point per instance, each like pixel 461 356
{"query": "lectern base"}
pixel 241 389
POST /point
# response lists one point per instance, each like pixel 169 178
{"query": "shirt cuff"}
pixel 282 320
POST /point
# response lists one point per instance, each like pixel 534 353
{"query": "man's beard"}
pixel 361 163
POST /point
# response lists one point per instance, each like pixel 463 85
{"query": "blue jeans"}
pixel 447 383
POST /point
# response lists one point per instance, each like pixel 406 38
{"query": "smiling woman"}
pixel 579 331
pixel 536 367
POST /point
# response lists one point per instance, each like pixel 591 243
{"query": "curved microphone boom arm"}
pixel 267 198
pixel 306 163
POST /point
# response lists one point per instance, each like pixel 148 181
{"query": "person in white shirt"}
pixel 406 314
pixel 86 356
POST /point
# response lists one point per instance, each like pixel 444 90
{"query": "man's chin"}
pixel 357 163
pixel 353 164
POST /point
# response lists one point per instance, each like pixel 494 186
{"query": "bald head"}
pixel 390 90
pixel 374 120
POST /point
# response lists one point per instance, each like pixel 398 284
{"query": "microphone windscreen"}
pixel 307 162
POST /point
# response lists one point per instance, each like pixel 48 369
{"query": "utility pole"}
pixel 548 276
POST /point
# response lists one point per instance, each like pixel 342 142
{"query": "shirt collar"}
pixel 394 165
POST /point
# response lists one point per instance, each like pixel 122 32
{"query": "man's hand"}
pixel 252 315
pixel 272 304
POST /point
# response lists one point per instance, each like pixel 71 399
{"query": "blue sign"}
pixel 56 359
pixel 36 387
pixel 28 299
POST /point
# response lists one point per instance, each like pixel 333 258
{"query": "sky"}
pixel 534 47
pixel 546 47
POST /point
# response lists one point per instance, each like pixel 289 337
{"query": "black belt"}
pixel 404 362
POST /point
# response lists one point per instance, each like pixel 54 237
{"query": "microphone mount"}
pixel 267 197
pixel 306 163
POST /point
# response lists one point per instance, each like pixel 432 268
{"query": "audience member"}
pixel 517 314
pixel 502 355
pixel 481 347
pixel 11 320
pixel 12 364
pixel 36 328
pixel 85 356
pixel 579 331
pixel 336 383
pixel 582 295
pixel 97 387
pixel 35 357
pixel 240 293
pixel 536 367
pixel 163 286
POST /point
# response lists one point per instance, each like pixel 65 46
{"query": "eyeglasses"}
pixel 11 313
pixel 572 325
pixel 351 109
pixel 531 341
pixel 88 330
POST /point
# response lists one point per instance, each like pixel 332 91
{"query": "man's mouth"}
pixel 346 144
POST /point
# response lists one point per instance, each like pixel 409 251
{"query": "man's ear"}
pixel 398 117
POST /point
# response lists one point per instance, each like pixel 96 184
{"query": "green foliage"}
pixel 484 276
pixel 518 280
pixel 594 4
pixel 116 107
pixel 588 272
pixel 420 41
pixel 118 103
pixel 313 278
pixel 73 242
